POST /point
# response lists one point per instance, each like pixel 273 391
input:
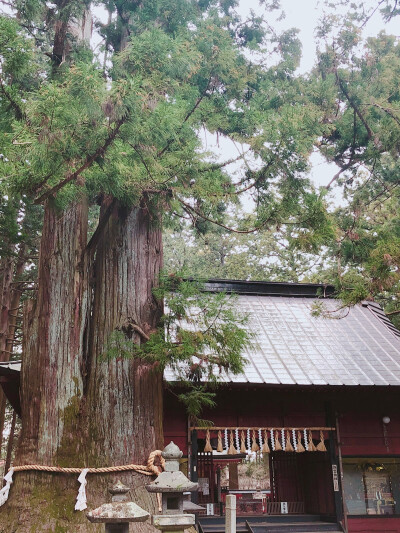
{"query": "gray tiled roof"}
pixel 293 347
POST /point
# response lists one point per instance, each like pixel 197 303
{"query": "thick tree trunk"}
pixel 12 295
pixel 126 269
pixel 80 408
pixel 51 382
pixel 6 277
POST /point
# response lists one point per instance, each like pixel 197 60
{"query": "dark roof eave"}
pixel 249 385
pixel 271 288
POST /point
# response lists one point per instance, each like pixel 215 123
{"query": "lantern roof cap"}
pixel 172 482
pixel 117 512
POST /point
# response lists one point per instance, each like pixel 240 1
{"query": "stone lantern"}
pixel 172 483
pixel 119 513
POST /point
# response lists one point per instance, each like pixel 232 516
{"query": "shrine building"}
pixel 310 432
pixel 308 436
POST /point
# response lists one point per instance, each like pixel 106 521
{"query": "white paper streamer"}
pixel 305 439
pixel 283 439
pixel 294 439
pixel 81 498
pixel 6 489
pixel 272 439
pixel 226 440
pixel 248 442
pixel 237 439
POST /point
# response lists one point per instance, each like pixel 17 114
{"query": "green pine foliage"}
pixel 75 125
pixel 201 339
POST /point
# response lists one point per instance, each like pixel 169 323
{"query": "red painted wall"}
pixel 372 525
pixel 360 413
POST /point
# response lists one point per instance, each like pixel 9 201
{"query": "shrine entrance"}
pixel 303 481
pixel 277 482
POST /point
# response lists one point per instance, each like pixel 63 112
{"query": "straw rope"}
pixel 150 469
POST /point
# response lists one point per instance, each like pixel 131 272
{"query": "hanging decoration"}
pixel 8 478
pixel 260 441
pixel 254 446
pixel 231 449
pixel 81 498
pixel 272 440
pixel 208 447
pixel 294 440
pixel 265 447
pixel 299 447
pixel 237 440
pixel 220 448
pixel 226 440
pixel 278 445
pixel 288 444
pixel 248 442
pixel 283 439
pixel 321 445
pixel 305 438
pixel 311 447
pixel 242 442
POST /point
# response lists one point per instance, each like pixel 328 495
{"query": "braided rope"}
pixel 150 469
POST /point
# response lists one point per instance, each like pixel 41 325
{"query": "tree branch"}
pixel 388 111
pixel 18 111
pixel 89 161
pixel 343 88
pixel 190 113
pixel 190 210
pixel 397 312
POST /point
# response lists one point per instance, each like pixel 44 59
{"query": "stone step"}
pixel 274 525
pixel 290 527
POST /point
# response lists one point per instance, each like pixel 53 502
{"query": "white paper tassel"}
pixel 248 442
pixel 6 489
pixel 272 439
pixel 226 440
pixel 294 439
pixel 283 438
pixel 237 439
pixel 305 439
pixel 81 498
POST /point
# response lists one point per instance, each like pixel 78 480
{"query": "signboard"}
pixel 284 508
pixel 335 478
pixel 210 509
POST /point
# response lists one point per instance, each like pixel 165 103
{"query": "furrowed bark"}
pixel 10 322
pixel 124 396
pixel 51 381
pixel 6 277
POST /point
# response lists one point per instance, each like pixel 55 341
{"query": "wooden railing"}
pixel 293 508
